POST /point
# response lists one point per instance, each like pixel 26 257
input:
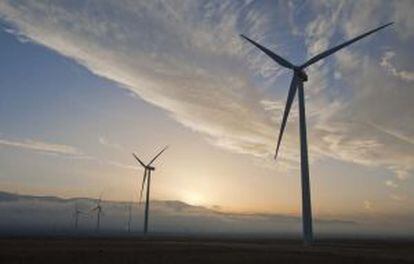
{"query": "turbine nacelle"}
pixel 148 166
pixel 301 74
pixel 97 208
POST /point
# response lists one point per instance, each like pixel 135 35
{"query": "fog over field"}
pixel 46 215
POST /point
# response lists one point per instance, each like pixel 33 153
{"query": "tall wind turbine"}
pixel 98 210
pixel 299 77
pixel 147 177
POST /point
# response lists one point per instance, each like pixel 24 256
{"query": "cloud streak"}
pixel 173 63
pixel 61 150
pixel 41 146
pixel 387 64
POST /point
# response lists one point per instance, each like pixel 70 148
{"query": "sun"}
pixel 193 198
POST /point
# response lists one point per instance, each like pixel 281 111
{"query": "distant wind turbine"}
pixel 299 77
pixel 76 215
pixel 129 216
pixel 98 210
pixel 147 177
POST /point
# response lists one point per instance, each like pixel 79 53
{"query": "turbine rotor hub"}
pixel 301 74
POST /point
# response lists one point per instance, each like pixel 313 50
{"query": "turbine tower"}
pixel 299 77
pixel 98 210
pixel 147 177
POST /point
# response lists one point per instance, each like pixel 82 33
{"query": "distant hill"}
pixel 27 214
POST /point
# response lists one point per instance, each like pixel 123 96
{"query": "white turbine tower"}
pixel 299 77
pixel 147 177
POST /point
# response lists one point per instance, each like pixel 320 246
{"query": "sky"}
pixel 86 83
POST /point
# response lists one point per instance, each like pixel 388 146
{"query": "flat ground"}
pixel 201 250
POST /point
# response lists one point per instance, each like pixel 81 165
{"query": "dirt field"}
pixel 186 250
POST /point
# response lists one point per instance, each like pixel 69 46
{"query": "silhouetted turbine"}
pixel 147 177
pixel 299 77
pixel 129 217
pixel 98 210
pixel 76 215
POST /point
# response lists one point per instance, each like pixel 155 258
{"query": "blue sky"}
pixel 86 83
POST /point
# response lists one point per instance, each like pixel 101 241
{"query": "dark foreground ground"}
pixel 201 250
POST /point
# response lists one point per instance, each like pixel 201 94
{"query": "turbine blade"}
pixel 343 45
pixel 142 186
pixel 156 156
pixel 289 100
pixel 140 162
pixel 271 54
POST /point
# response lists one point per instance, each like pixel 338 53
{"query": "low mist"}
pixel 23 215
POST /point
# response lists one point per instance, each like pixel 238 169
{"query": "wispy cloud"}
pixel 104 141
pixel 386 62
pixel 368 205
pixel 41 146
pixel 391 184
pixel 397 197
pixel 186 58
pixel 61 150
pixel 171 61
pixel 373 126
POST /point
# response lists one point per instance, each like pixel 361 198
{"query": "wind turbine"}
pixel 129 216
pixel 147 177
pixel 76 215
pixel 299 77
pixel 98 210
